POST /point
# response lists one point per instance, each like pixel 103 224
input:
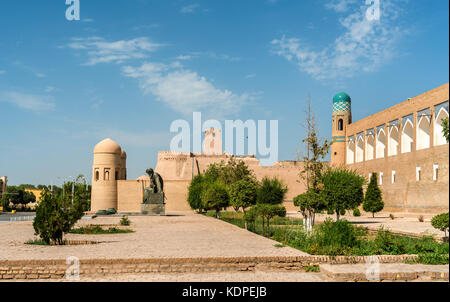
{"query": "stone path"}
pixel 386 272
pixel 206 277
pixel 183 236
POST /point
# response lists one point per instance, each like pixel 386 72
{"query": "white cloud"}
pixel 2 72
pixel 35 103
pixel 250 76
pixel 189 8
pixel 363 46
pixel 49 89
pixel 341 5
pixel 185 91
pixel 100 51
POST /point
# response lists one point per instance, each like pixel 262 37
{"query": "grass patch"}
pixel 37 242
pixel 98 230
pixel 279 245
pixel 312 269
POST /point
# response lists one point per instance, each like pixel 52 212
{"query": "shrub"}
pixel 356 212
pixel 56 216
pixel 386 242
pixel 271 191
pixel 420 218
pixel 215 197
pixel 440 222
pixel 337 238
pixel 392 216
pixel 125 221
pixel 195 192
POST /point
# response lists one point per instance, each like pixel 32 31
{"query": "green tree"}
pixel 243 195
pixel 343 190
pixel 445 129
pixel 267 212
pixel 271 191
pixel 56 216
pixel 195 192
pixel 309 203
pixel 313 168
pixel 215 197
pixel 441 222
pixel 373 201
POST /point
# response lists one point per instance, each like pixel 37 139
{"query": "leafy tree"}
pixel 271 191
pixel 314 166
pixel 215 197
pixel 56 216
pixel 343 190
pixel 243 194
pixel 441 222
pixel 445 129
pixel 373 201
pixel 310 203
pixel 195 192
pixel 267 212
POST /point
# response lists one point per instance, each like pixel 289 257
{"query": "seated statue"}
pixel 154 193
pixel 156 181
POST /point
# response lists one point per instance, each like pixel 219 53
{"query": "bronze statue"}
pixel 153 199
pixel 156 181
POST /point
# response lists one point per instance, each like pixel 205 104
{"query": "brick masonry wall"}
pixel 56 269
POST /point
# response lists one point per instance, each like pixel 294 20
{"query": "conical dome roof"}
pixel 108 146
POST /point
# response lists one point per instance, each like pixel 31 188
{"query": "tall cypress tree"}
pixel 373 201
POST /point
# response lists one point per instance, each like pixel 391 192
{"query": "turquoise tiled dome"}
pixel 342 102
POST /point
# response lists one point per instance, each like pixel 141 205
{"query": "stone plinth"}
pixel 153 204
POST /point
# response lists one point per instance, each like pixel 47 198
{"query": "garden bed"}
pixel 346 239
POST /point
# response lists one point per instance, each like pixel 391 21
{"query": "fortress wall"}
pixel 176 192
pixel 407 194
pixel 129 195
pixel 423 101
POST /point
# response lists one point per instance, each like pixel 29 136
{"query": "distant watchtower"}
pixel 342 116
pixel 212 145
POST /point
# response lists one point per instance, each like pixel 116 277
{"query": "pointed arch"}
pixel 423 132
pixel 370 146
pixel 439 138
pixel 360 149
pixel 407 137
pixel 393 141
pixel 381 143
pixel 350 151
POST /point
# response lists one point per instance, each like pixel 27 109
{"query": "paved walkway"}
pixel 183 236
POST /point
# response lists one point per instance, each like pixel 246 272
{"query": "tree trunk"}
pixel 337 215
pixel 268 227
pixel 373 215
pixel 217 214
pixel 263 225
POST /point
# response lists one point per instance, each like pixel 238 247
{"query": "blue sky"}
pixel 129 68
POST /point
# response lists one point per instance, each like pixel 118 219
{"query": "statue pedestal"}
pixel 153 204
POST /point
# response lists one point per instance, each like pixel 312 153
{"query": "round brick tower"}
pixel 342 116
pixel 106 170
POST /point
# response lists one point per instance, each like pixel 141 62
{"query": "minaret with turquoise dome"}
pixel 342 116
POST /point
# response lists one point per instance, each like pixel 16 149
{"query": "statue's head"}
pixel 149 171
